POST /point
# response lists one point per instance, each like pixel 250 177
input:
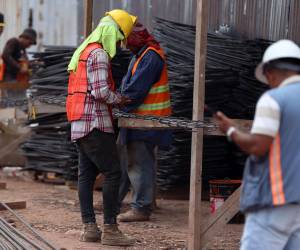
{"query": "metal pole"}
pixel 22 236
pixel 35 233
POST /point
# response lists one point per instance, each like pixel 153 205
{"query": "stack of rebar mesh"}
pixel 230 87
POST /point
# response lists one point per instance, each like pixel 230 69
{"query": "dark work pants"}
pixel 98 154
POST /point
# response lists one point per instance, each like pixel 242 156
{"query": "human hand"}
pixel 224 122
pixel 124 101
pixel 24 70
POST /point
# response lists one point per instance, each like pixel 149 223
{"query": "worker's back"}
pixel 274 179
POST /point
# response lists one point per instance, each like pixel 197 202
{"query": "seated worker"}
pixel 15 58
pixel 2 23
pixel 146 84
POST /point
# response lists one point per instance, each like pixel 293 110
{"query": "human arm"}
pixel 264 130
pixel 98 77
pixel 147 73
pixel 253 144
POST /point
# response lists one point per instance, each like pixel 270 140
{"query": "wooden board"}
pixel 14 85
pixel 14 205
pixel 223 215
pixel 12 146
pixel 244 125
pixel 43 108
pixel 88 17
pixel 2 185
pixel 194 239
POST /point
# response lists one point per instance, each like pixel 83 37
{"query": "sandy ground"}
pixel 54 211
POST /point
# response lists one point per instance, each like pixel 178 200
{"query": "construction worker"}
pixel 91 94
pixel 2 23
pixel 270 192
pixel 2 69
pixel 146 84
pixel 16 65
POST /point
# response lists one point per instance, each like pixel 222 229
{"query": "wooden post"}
pixel 88 17
pixel 197 138
pixel 14 205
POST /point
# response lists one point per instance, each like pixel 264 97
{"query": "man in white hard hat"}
pixel 271 183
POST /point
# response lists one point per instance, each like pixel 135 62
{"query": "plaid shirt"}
pixel 96 110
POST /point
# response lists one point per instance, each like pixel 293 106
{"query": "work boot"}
pixel 90 233
pixel 133 215
pixel 112 236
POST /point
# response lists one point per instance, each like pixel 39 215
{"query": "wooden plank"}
pixel 14 85
pixel 15 157
pixel 223 215
pixel 88 17
pixel 44 108
pixel 143 124
pixel 194 239
pixel 14 205
pixel 2 185
pixel 7 113
pixel 13 145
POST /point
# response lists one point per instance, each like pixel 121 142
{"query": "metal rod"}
pixel 18 233
pixel 21 242
pixel 10 240
pixel 4 245
pixel 36 234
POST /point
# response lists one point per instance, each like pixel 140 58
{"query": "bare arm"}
pixel 253 144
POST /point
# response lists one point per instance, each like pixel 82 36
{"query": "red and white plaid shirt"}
pixel 96 110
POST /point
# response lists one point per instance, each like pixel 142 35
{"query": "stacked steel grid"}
pixel 230 87
pixel 49 149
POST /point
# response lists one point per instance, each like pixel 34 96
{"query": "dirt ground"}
pixel 54 211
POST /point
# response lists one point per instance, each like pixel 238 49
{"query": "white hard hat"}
pixel 278 50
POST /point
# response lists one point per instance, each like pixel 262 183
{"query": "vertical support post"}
pixel 197 138
pixel 88 17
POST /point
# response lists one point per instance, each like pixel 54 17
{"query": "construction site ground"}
pixel 54 211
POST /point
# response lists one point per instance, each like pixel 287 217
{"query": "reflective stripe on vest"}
pixel 157 102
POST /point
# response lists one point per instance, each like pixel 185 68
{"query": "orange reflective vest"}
pixel 2 69
pixel 78 85
pixel 157 102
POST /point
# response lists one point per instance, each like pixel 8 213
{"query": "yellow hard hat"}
pixel 124 20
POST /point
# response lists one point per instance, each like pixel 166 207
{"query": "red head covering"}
pixel 139 37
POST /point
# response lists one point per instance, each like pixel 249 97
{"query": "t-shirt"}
pixel 12 53
pixel 267 117
pixel 267 114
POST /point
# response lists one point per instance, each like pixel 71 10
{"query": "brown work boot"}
pixel 90 233
pixel 112 236
pixel 133 215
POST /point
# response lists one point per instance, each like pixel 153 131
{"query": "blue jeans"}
pixel 273 228
pixel 138 169
pixel 98 154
